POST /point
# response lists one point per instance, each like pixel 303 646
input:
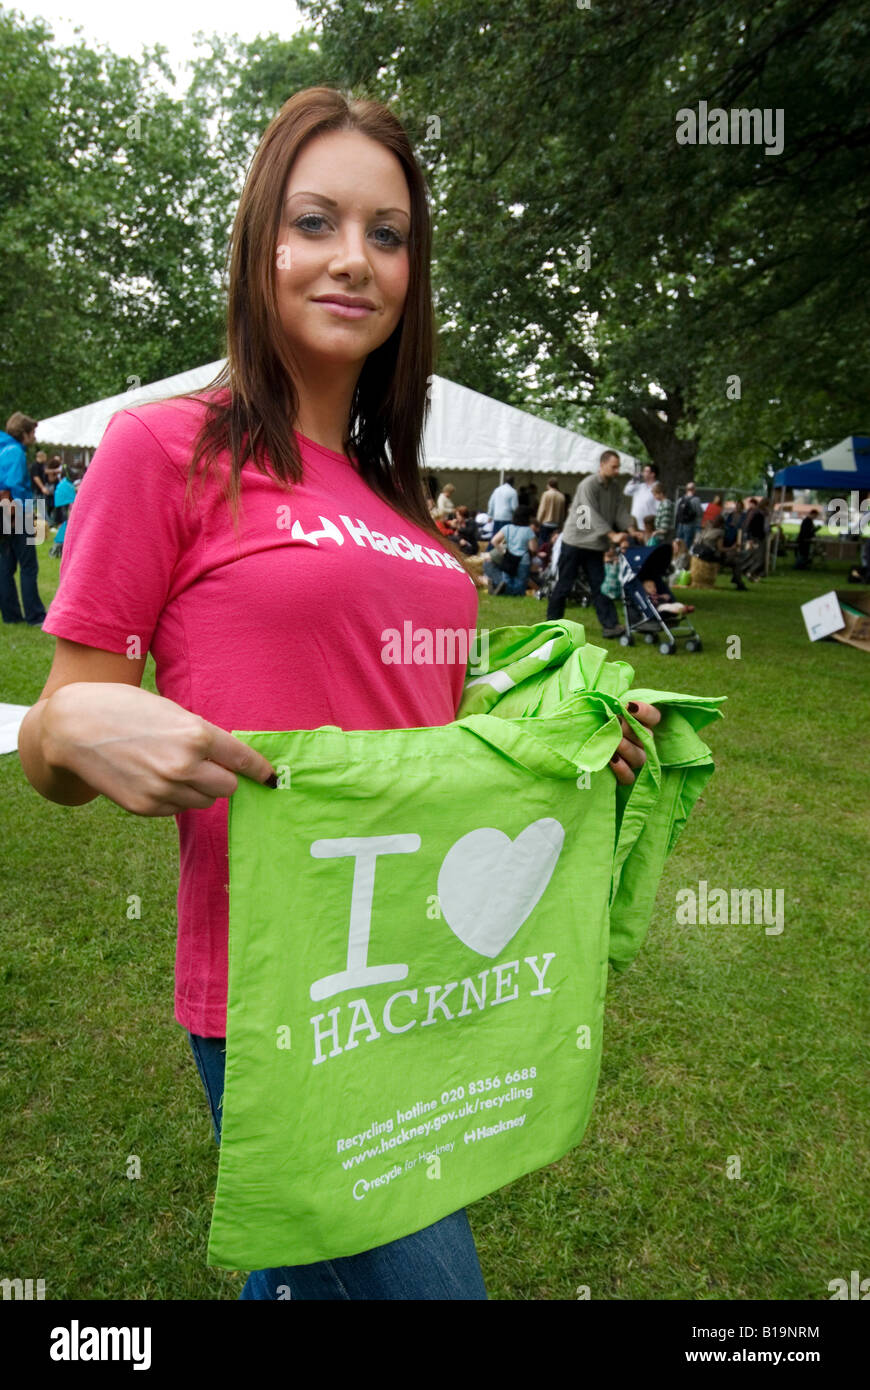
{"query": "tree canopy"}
pixel 702 304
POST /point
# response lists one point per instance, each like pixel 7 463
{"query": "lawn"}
pixel 722 1043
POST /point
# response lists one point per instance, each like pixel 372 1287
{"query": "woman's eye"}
pixel 395 237
pixel 309 217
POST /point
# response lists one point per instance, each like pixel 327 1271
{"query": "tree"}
pixel 116 208
pixel 583 257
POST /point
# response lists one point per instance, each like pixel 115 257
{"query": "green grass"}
pixel 823 532
pixel 719 1041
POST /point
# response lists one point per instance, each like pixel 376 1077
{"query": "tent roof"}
pixel 84 426
pixel 464 430
pixel 846 465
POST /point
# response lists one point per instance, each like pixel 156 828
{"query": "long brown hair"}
pixel 256 401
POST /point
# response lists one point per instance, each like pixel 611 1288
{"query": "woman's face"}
pixel 344 231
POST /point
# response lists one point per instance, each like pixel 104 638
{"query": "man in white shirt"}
pixel 502 505
pixel 640 490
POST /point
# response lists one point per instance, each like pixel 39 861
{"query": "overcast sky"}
pixel 126 28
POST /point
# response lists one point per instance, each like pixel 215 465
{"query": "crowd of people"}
pixel 45 475
pixel 528 536
pixel 517 528
pixel 525 535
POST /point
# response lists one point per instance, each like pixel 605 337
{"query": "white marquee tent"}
pixel 465 431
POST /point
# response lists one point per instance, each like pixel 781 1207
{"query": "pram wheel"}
pixel 667 648
pixel 694 644
pixel 649 638
pixel 627 639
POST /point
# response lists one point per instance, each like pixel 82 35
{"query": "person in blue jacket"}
pixel 17 548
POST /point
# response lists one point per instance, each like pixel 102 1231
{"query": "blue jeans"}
pixel 439 1262
pixel 513 584
pixel 686 532
pixel 16 553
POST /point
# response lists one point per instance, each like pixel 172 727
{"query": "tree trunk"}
pixel 676 458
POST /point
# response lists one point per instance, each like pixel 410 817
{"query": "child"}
pixel 664 518
pixel 610 585
pixel 679 563
pixel 649 526
pixel 665 603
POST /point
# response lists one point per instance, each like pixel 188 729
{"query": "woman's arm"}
pixel 94 730
pixel 52 782
pixel 73 662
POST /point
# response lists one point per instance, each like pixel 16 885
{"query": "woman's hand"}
pixel 630 755
pixel 144 752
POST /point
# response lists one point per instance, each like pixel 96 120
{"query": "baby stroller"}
pixel 637 563
pixel 581 592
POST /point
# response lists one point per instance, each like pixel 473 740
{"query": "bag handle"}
pixel 533 753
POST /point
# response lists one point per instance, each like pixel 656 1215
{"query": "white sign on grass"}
pixel 822 616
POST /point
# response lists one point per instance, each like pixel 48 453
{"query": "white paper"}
pixel 822 616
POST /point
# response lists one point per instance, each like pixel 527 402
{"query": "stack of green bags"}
pixel 420 927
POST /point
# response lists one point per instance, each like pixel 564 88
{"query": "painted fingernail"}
pixel 271 781
pixel 632 707
pixel 615 758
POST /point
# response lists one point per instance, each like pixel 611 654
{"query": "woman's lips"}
pixel 344 311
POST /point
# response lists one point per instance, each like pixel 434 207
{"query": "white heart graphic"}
pixel 488 883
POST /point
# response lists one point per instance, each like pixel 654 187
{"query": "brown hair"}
pixel 18 425
pixel 258 402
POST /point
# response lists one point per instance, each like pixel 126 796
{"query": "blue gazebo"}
pixel 845 466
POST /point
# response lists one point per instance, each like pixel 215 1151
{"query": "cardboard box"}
pixel 856 629
pixel 843 614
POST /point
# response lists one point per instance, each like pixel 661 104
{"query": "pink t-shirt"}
pixel 285 632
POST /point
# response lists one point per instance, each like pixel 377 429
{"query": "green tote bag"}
pixel 420 928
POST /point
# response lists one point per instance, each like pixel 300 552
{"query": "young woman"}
pixel 264 599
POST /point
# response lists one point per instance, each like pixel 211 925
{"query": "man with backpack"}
pixel 688 516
